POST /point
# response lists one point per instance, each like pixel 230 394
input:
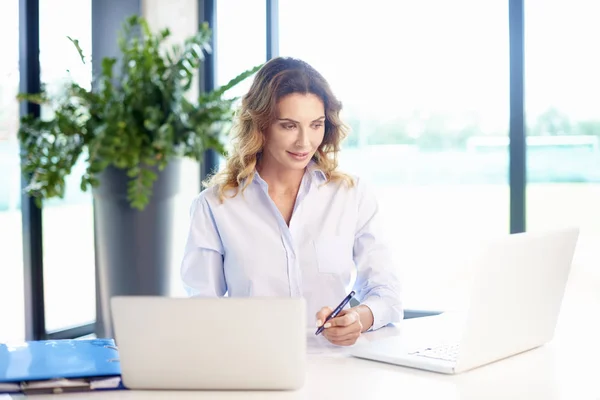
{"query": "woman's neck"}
pixel 280 181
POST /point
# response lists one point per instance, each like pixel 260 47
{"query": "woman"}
pixel 281 220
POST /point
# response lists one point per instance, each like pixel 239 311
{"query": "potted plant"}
pixel 133 127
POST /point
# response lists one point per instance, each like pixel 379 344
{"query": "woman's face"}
pixel 297 132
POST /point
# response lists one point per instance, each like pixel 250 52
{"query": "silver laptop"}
pixel 210 343
pixel 516 295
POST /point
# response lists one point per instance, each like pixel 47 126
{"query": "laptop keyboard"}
pixel 447 352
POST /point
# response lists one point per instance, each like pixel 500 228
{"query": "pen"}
pixel 336 311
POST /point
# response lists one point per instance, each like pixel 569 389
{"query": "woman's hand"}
pixel 346 328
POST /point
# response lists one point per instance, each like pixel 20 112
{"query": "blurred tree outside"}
pixel 441 131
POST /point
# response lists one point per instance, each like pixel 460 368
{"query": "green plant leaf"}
pixel 138 117
pixel 78 48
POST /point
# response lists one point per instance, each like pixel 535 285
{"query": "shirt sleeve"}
pixel 377 284
pixel 202 265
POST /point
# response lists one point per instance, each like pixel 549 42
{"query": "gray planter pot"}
pixel 133 248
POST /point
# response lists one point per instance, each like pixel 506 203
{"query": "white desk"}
pixel 566 368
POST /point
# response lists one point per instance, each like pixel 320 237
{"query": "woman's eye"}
pixel 317 126
pixel 290 126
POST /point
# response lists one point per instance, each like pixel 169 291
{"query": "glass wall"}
pixel 12 306
pixel 425 91
pixel 240 40
pixel 563 119
pixel 181 18
pixel 69 261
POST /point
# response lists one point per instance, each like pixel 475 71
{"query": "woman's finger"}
pixel 322 314
pixel 339 332
pixel 345 319
pixel 345 342
pixel 338 335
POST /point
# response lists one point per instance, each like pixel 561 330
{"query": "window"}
pixel 563 119
pixel 11 245
pixel 240 41
pixel 181 18
pixel 425 91
pixel 68 226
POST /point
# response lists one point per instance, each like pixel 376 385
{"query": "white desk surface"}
pixel 566 368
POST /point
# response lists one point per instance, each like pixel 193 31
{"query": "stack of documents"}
pixel 57 366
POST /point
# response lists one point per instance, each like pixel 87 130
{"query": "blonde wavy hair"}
pixel 276 79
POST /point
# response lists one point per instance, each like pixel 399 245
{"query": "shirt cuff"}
pixel 378 308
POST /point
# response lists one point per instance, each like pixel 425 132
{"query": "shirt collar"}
pixel 259 180
pixel 315 170
pixel 312 169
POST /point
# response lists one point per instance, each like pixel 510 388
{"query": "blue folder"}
pixel 58 361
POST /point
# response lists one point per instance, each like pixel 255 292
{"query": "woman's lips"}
pixel 298 156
